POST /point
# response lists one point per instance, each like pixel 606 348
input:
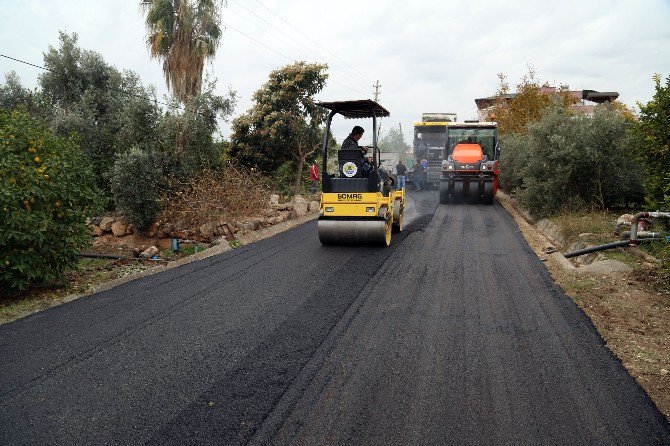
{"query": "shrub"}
pixel 567 163
pixel 283 180
pixel 47 190
pixel 136 184
pixel 653 144
pixel 513 156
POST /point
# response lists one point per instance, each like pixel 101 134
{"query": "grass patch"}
pixel 597 223
pixel 87 274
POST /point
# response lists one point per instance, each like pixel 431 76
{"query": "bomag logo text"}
pixel 349 197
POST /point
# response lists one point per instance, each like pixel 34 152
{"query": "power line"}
pixel 287 57
pixel 313 41
pixel 299 50
pixel 264 30
pixel 301 43
pixel 258 42
pixel 139 96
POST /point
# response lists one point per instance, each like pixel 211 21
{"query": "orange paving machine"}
pixel 470 166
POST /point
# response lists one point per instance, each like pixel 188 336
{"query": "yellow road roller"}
pixel 359 205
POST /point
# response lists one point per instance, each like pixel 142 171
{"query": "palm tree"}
pixel 183 34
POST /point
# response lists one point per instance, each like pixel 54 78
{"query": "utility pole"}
pixel 402 148
pixel 377 86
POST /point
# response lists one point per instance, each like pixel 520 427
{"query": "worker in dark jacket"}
pixel 351 141
pixel 401 171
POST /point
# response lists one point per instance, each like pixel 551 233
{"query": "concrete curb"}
pixel 222 247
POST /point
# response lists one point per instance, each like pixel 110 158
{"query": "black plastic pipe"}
pixel 584 251
pixel 95 255
pixel 619 244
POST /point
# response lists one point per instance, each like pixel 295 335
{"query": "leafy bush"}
pixel 135 180
pixel 567 163
pixel 283 180
pixel 513 156
pixel 653 144
pixel 47 190
pixel 186 140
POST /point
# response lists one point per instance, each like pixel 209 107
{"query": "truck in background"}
pixel 430 139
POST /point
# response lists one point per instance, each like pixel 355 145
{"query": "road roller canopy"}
pixel 364 108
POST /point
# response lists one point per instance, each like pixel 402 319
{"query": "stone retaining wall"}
pixel 275 213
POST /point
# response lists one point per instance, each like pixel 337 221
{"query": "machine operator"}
pixel 351 143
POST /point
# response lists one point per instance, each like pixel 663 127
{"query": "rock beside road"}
pixel 96 231
pixel 300 205
pixel 119 228
pixel 106 223
pixel 273 214
pixel 149 252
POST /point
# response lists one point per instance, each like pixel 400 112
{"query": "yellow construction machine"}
pixel 430 138
pixel 358 205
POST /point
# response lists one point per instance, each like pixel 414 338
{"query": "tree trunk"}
pixel 298 178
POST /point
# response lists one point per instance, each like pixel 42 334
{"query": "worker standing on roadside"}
pixel 400 170
pixel 314 177
pixel 424 172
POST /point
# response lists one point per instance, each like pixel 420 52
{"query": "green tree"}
pixel 13 94
pixel 284 124
pixel 187 139
pixel 528 105
pixel 136 179
pixel 566 162
pixel 183 34
pixel 107 111
pixel 47 191
pixel 653 143
pixel 393 142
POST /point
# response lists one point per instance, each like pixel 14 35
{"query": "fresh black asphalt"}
pixel 454 335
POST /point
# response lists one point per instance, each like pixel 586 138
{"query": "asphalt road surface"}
pixel 455 335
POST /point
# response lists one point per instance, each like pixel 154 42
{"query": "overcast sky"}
pixel 429 56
